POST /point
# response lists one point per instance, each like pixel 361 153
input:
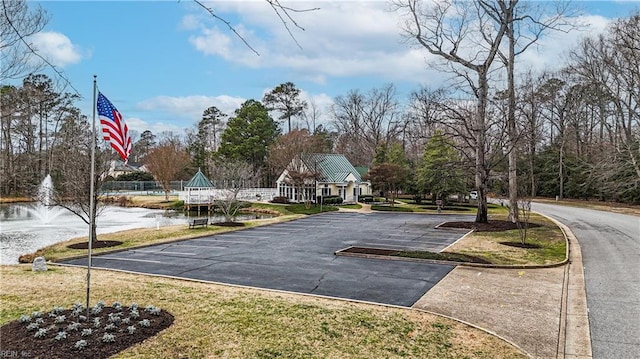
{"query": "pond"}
pixel 27 227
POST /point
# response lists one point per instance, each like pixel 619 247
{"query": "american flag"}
pixel 114 129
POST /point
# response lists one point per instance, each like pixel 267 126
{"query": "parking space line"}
pixel 131 260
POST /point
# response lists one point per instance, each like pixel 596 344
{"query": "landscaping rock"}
pixel 39 265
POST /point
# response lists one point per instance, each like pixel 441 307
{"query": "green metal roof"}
pixel 199 180
pixel 333 168
pixel 362 170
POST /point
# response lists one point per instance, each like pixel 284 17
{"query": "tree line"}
pixel 571 133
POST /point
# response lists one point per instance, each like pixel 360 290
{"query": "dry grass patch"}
pixel 222 321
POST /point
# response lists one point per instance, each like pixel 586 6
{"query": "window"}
pixel 326 191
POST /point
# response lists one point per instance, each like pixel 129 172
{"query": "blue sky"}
pixel 162 63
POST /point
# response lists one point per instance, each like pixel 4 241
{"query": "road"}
pixel 610 244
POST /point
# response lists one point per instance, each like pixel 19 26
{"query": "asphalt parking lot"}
pixel 299 256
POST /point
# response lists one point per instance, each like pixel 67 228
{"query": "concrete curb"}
pixel 574 333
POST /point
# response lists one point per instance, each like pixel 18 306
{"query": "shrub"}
pixel 41 333
pixel 86 332
pixel 33 326
pixel 152 310
pixel 61 335
pixel 57 310
pixel 131 329
pixel 332 200
pixel 108 338
pixel 366 198
pixel 145 323
pixel 280 199
pixel 81 344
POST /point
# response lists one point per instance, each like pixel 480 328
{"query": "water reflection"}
pixel 22 232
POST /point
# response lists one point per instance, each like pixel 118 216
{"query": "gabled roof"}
pixel 118 165
pixel 199 180
pixel 333 168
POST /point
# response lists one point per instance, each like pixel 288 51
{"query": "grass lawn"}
pixel 487 245
pixel 222 321
pixel 396 208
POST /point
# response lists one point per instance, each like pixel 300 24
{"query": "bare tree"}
pixel 365 122
pixel 467 39
pixel 166 162
pixel 18 22
pixel 525 25
pixel 311 115
pixel 610 61
pixel 292 144
pixel 71 172
pixel 231 177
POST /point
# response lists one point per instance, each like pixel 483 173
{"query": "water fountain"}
pixel 44 210
pixel 24 228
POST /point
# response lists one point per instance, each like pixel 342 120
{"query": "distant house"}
pixel 118 168
pixel 313 175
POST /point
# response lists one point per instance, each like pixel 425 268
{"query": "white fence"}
pixel 211 195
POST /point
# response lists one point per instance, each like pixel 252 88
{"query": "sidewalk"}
pixel 542 311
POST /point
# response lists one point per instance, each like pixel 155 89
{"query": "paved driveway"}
pixel 299 256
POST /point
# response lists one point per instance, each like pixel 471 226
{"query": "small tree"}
pixel 302 175
pixel 166 162
pixel 388 177
pixel 232 176
pixel 439 172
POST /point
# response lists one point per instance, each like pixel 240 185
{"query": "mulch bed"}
pixel 522 245
pixel 443 256
pixel 491 226
pixel 228 224
pixel 96 244
pixel 17 341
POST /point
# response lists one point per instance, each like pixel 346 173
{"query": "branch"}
pixel 33 51
pixel 275 4
pixel 279 9
pixel 210 11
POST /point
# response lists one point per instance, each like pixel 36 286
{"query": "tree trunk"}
pixel 480 134
pixel 512 131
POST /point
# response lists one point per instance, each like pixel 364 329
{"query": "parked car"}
pixel 473 194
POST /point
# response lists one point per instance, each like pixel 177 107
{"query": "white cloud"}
pixel 57 48
pixel 191 107
pixel 349 38
pixel 139 125
pixel 552 50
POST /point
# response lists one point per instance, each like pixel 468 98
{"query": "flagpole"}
pixel 92 216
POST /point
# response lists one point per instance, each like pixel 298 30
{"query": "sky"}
pixel 162 63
